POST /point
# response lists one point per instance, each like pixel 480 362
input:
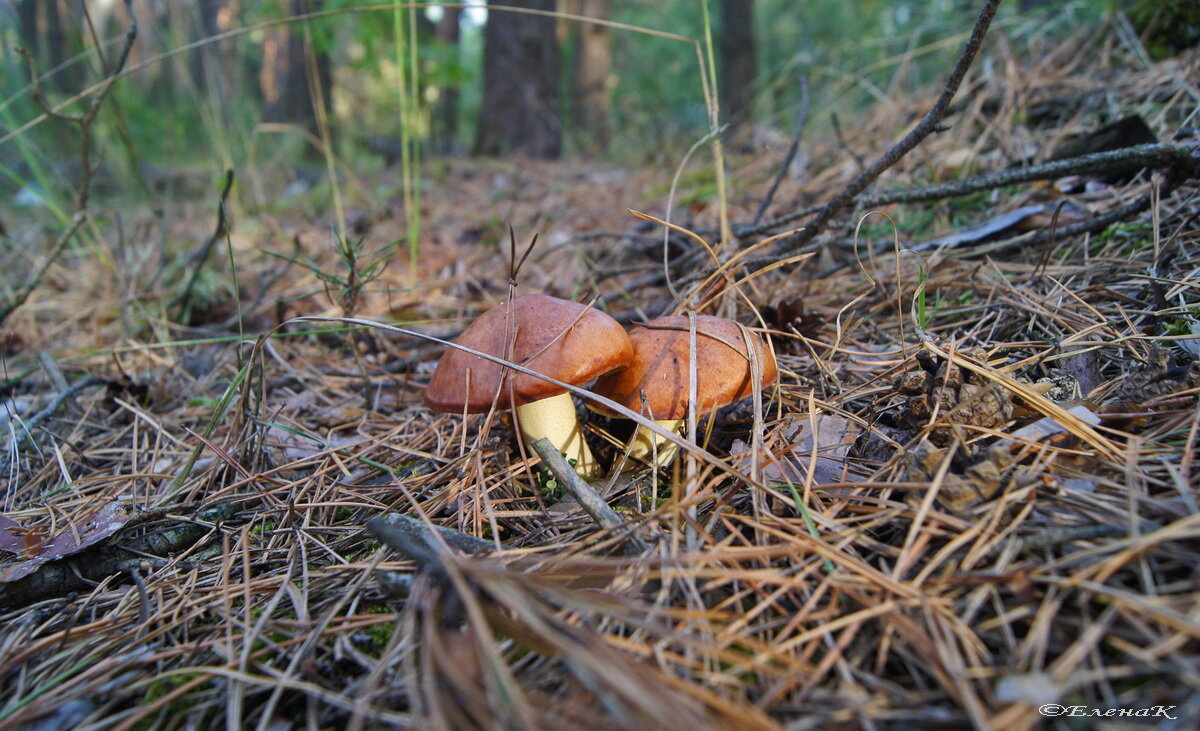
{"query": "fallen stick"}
pixel 590 500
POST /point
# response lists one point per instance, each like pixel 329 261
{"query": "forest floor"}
pixel 971 493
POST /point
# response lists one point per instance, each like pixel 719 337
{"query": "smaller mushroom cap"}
pixel 660 367
pixel 562 339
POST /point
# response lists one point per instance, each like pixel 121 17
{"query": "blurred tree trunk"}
pixel 520 112
pixel 27 26
pixel 296 79
pixel 42 26
pixel 737 59
pixel 215 63
pixel 46 27
pixel 592 86
pixel 446 114
pixel 154 23
pixel 58 48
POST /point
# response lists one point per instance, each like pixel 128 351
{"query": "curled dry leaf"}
pixel 1048 429
pixel 957 491
pixel 98 525
pixel 1025 218
pixel 1163 371
pixel 790 459
pixel 10 535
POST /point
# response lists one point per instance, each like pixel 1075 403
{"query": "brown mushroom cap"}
pixel 660 367
pixel 559 338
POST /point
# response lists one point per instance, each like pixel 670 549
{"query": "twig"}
pixel 801 121
pixel 1091 225
pixel 1181 159
pixel 836 123
pixel 35 279
pixel 1058 536
pixel 415 540
pixel 588 498
pixel 84 121
pixel 67 576
pixel 172 540
pixel 143 600
pixel 29 425
pixel 928 124
pixel 53 373
pixel 80 571
pixel 183 300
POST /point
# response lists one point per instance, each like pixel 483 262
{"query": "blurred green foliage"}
pixel 1166 26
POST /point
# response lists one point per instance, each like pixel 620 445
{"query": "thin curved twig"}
pixel 801 121
pixel 927 126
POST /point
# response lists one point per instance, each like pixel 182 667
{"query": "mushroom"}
pixel 660 373
pixel 564 340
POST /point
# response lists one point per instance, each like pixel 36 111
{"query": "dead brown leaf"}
pixel 98 525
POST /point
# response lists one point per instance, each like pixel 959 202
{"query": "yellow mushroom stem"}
pixel 646 441
pixel 554 419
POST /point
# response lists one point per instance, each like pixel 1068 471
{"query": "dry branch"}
pixel 928 124
pixel 26 427
pixel 196 263
pixel 1179 160
pixel 419 541
pixel 587 497
pixel 84 122
pixel 83 571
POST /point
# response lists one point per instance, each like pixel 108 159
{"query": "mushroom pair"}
pixel 657 383
pixel 575 344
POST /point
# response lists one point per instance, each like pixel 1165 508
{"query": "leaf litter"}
pixel 974 490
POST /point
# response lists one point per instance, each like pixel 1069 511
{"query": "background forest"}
pixel 194 106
